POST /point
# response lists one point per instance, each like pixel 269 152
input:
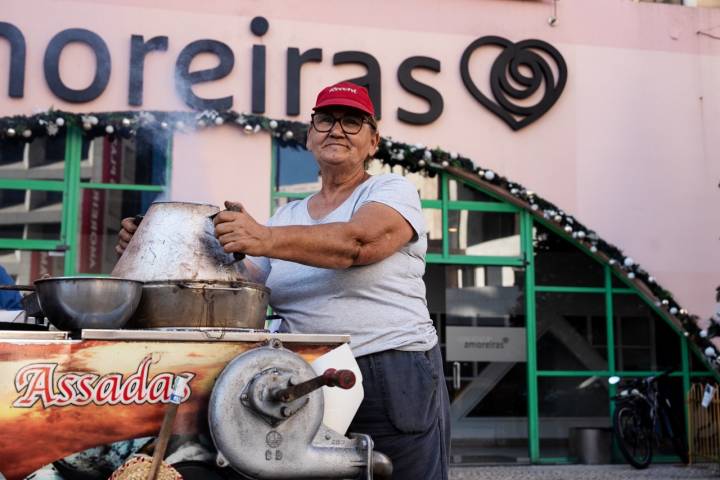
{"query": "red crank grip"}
pixel 344 379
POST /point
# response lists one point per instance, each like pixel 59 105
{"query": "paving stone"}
pixel 586 472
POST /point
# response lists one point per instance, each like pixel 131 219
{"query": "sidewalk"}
pixel 582 472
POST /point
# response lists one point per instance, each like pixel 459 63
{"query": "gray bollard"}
pixel 591 445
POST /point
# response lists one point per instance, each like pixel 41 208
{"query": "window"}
pixel 643 341
pixel 484 234
pixel 62 198
pixel 461 191
pixel 566 403
pixel 296 170
pixel 41 159
pixel 140 160
pixel 571 331
pixel 559 263
pixel 119 178
pixel 25 266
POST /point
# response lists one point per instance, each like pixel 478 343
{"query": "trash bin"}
pixel 591 445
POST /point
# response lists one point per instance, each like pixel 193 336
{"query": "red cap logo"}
pixel 345 94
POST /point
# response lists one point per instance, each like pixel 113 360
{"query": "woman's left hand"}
pixel 238 232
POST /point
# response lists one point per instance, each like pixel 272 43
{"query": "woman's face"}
pixel 337 148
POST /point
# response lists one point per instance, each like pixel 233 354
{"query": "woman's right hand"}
pixel 125 234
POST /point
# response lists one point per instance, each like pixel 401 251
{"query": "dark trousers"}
pixel 406 412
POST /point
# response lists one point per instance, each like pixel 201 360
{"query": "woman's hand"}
pixel 125 234
pixel 238 232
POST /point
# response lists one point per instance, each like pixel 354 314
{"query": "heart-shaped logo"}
pixel 508 81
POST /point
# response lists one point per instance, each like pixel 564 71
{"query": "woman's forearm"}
pixel 331 245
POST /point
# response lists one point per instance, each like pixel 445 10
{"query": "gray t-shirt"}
pixel 381 306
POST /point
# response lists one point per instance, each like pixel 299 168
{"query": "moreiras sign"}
pixel 526 78
pixel 485 344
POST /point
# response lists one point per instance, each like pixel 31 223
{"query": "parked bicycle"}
pixel 643 415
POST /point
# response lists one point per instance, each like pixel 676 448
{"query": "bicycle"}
pixel 642 416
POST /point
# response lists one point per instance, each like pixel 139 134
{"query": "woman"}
pixel 350 259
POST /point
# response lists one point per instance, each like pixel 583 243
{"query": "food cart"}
pixel 251 397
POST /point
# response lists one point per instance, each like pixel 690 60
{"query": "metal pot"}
pixel 74 303
pixel 238 304
pixel 176 241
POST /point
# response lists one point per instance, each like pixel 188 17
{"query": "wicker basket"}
pixel 138 467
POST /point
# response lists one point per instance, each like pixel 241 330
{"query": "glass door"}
pixel 479 311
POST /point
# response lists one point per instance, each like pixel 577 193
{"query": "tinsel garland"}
pixel 412 157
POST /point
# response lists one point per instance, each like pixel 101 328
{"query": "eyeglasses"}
pixel 350 123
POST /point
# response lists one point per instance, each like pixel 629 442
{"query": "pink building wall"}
pixel 631 148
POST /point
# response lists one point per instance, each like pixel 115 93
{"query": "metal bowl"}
pixel 75 303
pixel 193 303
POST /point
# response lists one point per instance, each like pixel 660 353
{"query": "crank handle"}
pixel 344 379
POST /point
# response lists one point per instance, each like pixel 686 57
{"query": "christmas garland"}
pixel 412 157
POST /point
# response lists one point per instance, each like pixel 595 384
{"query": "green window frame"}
pixel 71 187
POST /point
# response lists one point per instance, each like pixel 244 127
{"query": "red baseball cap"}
pixel 345 94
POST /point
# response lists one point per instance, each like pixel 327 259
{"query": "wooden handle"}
pixel 163 440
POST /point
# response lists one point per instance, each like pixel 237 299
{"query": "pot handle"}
pixel 29 288
pixel 231 207
pixel 235 207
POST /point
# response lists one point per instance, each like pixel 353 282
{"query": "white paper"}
pixel 12 316
pixel 708 395
pixel 340 405
pixel 273 324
